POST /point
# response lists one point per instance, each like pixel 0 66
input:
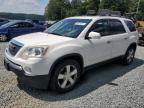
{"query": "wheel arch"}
pixel 134 44
pixel 124 60
pixel 73 56
pixel 8 34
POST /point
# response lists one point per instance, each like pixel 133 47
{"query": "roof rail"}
pixel 91 12
pixel 107 12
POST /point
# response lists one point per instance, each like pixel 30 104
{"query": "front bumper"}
pixel 40 81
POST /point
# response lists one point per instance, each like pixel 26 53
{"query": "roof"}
pixel 97 17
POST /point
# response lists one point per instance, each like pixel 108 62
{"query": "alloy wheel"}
pixel 3 38
pixel 130 56
pixel 67 76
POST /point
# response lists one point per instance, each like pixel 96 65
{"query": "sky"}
pixel 23 6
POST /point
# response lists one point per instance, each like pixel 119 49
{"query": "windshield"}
pixel 68 27
pixel 8 24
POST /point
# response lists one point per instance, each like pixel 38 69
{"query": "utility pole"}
pixel 138 7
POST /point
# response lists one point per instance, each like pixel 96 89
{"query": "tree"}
pixel 55 10
pixel 58 9
pixel 116 5
pixel 140 13
pixel 93 5
pixel 76 7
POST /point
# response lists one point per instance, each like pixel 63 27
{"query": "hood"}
pixel 2 29
pixel 41 38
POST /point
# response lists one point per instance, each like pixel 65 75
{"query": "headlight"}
pixel 34 52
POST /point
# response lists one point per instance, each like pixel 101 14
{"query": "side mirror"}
pixel 94 35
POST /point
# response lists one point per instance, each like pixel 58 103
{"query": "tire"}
pixel 129 56
pixel 3 38
pixel 65 76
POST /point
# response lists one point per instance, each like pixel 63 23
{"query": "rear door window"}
pixel 116 27
pixel 29 25
pixel 130 25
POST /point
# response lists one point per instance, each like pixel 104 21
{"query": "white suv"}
pixel 57 57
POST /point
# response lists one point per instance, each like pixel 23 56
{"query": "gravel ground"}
pixel 109 86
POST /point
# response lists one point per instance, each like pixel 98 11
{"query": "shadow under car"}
pixel 90 81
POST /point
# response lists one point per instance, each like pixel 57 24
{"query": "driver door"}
pixel 99 50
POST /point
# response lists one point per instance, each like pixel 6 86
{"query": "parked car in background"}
pixel 38 22
pixel 17 28
pixel 49 23
pixel 3 21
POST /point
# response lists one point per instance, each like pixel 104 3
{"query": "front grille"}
pixel 13 48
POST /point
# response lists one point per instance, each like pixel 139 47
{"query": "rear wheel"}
pixel 129 56
pixel 65 76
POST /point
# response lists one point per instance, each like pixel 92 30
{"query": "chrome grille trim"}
pixel 14 47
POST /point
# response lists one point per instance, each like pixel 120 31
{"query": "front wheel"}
pixel 3 38
pixel 65 76
pixel 129 56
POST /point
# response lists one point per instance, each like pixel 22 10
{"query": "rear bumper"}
pixel 40 81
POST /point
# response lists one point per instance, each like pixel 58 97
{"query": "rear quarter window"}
pixel 131 26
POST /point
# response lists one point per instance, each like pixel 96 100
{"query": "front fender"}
pixel 62 50
pixel 4 32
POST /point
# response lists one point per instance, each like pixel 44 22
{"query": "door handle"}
pixel 109 42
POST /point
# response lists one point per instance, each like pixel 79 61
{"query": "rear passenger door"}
pixel 28 28
pixel 119 37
